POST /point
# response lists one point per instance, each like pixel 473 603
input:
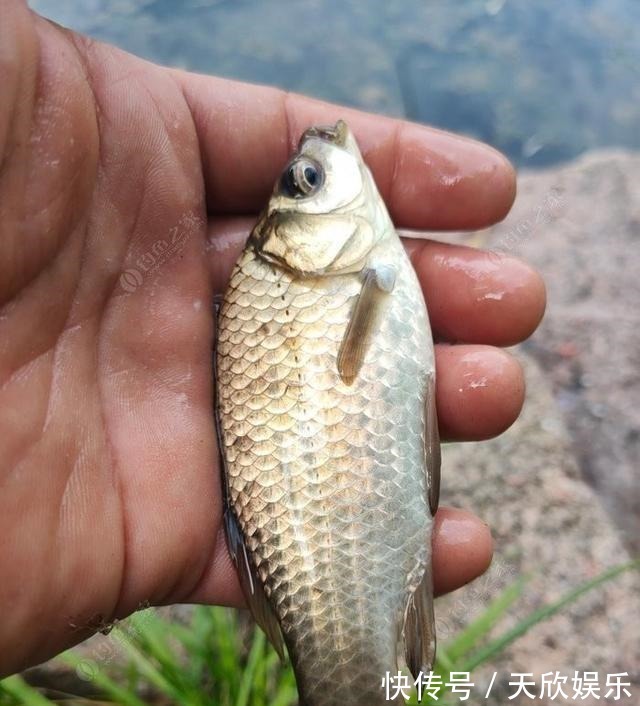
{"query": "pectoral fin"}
pixel 377 283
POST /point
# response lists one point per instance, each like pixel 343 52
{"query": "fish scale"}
pixel 327 480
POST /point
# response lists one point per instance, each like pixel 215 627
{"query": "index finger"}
pixel 430 179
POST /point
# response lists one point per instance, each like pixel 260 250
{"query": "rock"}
pixel 580 225
pixel 546 522
pixel 560 489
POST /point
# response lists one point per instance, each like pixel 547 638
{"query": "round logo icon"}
pixel 130 280
pixel 86 670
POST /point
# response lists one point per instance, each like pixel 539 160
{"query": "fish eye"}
pixel 301 178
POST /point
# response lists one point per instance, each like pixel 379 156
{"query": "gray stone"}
pixel 560 489
pixel 549 524
pixel 584 235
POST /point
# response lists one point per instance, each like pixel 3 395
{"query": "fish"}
pixel 325 407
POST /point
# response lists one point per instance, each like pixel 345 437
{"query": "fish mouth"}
pixel 336 134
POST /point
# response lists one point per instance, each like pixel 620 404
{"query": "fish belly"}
pixel 327 480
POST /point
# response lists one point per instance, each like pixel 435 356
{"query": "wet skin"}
pixel 109 469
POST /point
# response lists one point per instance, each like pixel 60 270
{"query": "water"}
pixel 541 80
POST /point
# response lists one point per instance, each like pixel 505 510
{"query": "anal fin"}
pixel 419 629
pixel 251 585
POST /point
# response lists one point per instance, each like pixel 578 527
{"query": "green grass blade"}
pixel 280 681
pixel 259 685
pixel 119 694
pixel 463 643
pixel 255 655
pixel 500 643
pixel 443 662
pixel 152 674
pixel 150 635
pixel 222 637
pixel 149 630
pixel 190 640
pixel 287 696
pixel 18 689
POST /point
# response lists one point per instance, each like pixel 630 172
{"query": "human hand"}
pixel 125 194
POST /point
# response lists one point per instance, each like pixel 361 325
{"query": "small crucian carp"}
pixel 328 431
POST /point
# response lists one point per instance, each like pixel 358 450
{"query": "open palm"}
pixel 125 194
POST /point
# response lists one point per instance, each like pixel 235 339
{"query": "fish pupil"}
pixel 311 175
